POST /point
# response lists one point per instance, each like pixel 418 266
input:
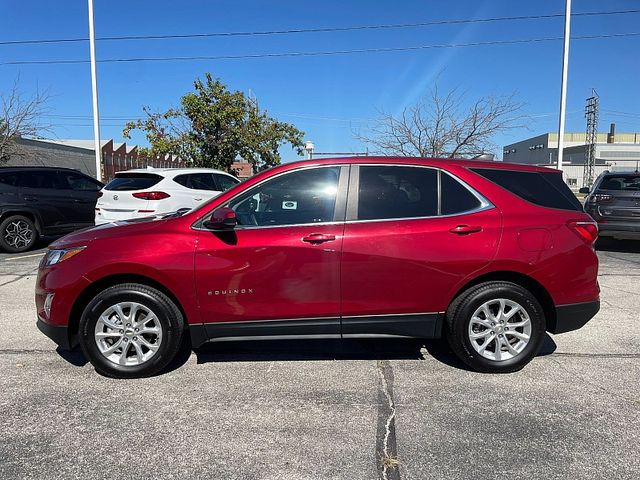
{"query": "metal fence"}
pixel 114 162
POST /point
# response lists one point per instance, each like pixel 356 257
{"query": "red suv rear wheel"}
pixel 495 327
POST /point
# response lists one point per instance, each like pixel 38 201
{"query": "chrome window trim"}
pixel 469 212
pixel 413 314
pixel 255 227
pixel 484 203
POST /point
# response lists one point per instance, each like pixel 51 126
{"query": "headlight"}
pixel 56 256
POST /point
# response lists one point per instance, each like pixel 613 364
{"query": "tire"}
pixel 17 234
pixel 467 316
pixel 150 331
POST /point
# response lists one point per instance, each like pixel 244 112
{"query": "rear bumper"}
pixel 58 333
pixel 629 231
pixel 573 316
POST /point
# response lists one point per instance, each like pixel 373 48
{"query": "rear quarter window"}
pixel 455 198
pixel 133 181
pixel 225 182
pixel 540 188
pixel 196 181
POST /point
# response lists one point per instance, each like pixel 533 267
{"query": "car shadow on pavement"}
pixel 351 349
pixel 440 351
pixel 622 246
pixel 311 350
pixel 301 350
pixel 75 357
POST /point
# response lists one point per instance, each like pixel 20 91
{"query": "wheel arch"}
pixel 31 215
pixel 108 281
pixel 525 281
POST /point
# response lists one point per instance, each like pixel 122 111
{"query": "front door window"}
pixel 298 198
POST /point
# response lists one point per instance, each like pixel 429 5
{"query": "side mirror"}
pixel 584 190
pixel 222 218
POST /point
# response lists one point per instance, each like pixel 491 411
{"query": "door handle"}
pixel 466 229
pixel 318 238
pixel 29 198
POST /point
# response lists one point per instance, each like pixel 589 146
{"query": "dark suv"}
pixel 614 202
pixel 37 201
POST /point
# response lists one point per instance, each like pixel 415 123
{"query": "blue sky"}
pixel 327 97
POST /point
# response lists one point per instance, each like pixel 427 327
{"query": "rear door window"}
pixel 133 181
pixel 387 192
pixel 9 179
pixel 80 183
pixel 540 188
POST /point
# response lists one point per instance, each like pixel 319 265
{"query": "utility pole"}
pixel 591 112
pixel 94 92
pixel 563 87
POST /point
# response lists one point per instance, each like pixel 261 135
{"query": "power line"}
pixel 315 30
pixel 317 54
pixel 623 114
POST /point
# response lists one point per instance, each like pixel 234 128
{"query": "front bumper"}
pixel 573 316
pixel 58 333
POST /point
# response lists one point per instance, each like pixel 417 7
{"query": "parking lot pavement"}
pixel 307 409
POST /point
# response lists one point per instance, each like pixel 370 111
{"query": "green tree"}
pixel 213 127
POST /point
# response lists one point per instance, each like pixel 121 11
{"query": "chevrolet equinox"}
pixel 488 255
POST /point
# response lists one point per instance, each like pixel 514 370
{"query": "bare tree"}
pixel 441 126
pixel 21 116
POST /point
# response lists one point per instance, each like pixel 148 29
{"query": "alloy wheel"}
pixel 500 329
pixel 18 234
pixel 128 334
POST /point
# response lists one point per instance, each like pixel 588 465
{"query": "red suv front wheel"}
pixel 130 330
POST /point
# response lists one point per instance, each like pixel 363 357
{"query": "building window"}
pixel 572 182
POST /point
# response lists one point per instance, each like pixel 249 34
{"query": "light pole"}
pixel 563 87
pixel 94 92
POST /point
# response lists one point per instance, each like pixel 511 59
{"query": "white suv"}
pixel 153 191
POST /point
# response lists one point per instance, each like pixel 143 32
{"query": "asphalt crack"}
pixel 595 355
pixel 623 259
pixel 386 443
pixel 19 277
pixel 574 374
pixel 18 351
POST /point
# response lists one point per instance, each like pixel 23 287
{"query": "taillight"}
pixel 99 194
pixel 600 198
pixel 588 231
pixel 151 195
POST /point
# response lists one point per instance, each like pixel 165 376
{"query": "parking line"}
pixel 25 256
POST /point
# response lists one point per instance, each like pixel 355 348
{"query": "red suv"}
pixel 488 255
